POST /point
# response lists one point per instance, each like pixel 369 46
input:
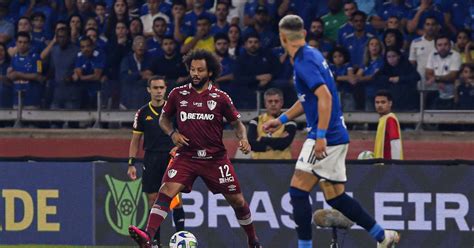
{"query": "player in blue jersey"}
pixel 322 158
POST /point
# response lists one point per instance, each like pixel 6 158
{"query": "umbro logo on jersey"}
pixel 172 173
pixel 183 103
pixel 148 118
pixel 201 153
pixel 211 104
pixel 184 92
pixel 214 95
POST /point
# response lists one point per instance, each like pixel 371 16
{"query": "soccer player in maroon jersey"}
pixel 200 109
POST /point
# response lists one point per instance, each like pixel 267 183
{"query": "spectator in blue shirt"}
pixel 84 9
pixel 198 11
pixel 153 44
pixel 221 25
pixel 25 72
pixel 464 97
pixel 7 29
pixel 6 91
pixel 343 73
pixel 162 7
pixel 132 80
pixel 350 7
pixel 417 17
pixel 262 26
pixel 456 12
pixel 177 26
pixel 99 43
pixel 24 25
pixel 100 16
pixel 62 58
pixel 225 79
pixel 357 41
pixel 396 8
pixel 250 10
pixel 88 71
pixel 373 61
pixel 316 39
pixel 283 79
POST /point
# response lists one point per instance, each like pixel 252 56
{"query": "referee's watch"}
pixel 131 161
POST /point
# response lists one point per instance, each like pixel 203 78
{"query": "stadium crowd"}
pixel 60 53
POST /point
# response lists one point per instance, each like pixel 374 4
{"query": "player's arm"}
pixel 241 134
pixel 324 115
pixel 132 154
pixel 166 125
pixel 292 113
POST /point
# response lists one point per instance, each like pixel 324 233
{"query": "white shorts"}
pixel 332 168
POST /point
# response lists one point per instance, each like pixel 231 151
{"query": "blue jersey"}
pixel 312 71
pixel 88 65
pixel 30 63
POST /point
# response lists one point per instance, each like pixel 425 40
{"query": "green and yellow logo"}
pixel 126 197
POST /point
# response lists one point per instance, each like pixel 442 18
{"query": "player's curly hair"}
pixel 212 63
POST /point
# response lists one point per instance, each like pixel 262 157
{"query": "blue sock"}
pixel 354 211
pixel 302 216
pixel 305 243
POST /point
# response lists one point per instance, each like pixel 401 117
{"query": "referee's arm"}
pixel 134 144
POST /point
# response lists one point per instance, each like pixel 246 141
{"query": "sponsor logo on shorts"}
pixel 184 92
pixel 195 116
pixel 223 180
pixel 183 103
pixel 201 153
pixel 232 187
pixel 172 173
pixel 211 104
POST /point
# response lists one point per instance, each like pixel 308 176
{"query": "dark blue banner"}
pixel 46 203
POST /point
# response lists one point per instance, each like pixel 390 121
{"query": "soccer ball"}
pixel 183 239
pixel 366 155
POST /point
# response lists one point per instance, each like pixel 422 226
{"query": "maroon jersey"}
pixel 200 118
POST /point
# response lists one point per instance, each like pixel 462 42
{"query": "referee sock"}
pixel 158 214
pixel 302 216
pixel 245 220
pixel 178 218
pixel 354 211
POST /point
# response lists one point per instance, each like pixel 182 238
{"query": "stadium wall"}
pixel 115 144
pixel 92 203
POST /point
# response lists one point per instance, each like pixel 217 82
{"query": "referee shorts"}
pixel 154 167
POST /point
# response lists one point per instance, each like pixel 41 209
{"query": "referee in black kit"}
pixel 157 147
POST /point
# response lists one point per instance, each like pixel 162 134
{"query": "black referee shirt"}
pixel 146 122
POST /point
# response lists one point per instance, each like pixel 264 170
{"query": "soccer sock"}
pixel 158 214
pixel 354 211
pixel 157 236
pixel 245 220
pixel 302 216
pixel 178 218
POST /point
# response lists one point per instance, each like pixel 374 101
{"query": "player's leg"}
pixel 179 215
pixel 302 182
pixel 220 177
pixel 244 217
pixel 332 172
pixel 335 196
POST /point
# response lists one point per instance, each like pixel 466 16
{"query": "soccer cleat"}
pixel 141 237
pixel 255 245
pixel 391 239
